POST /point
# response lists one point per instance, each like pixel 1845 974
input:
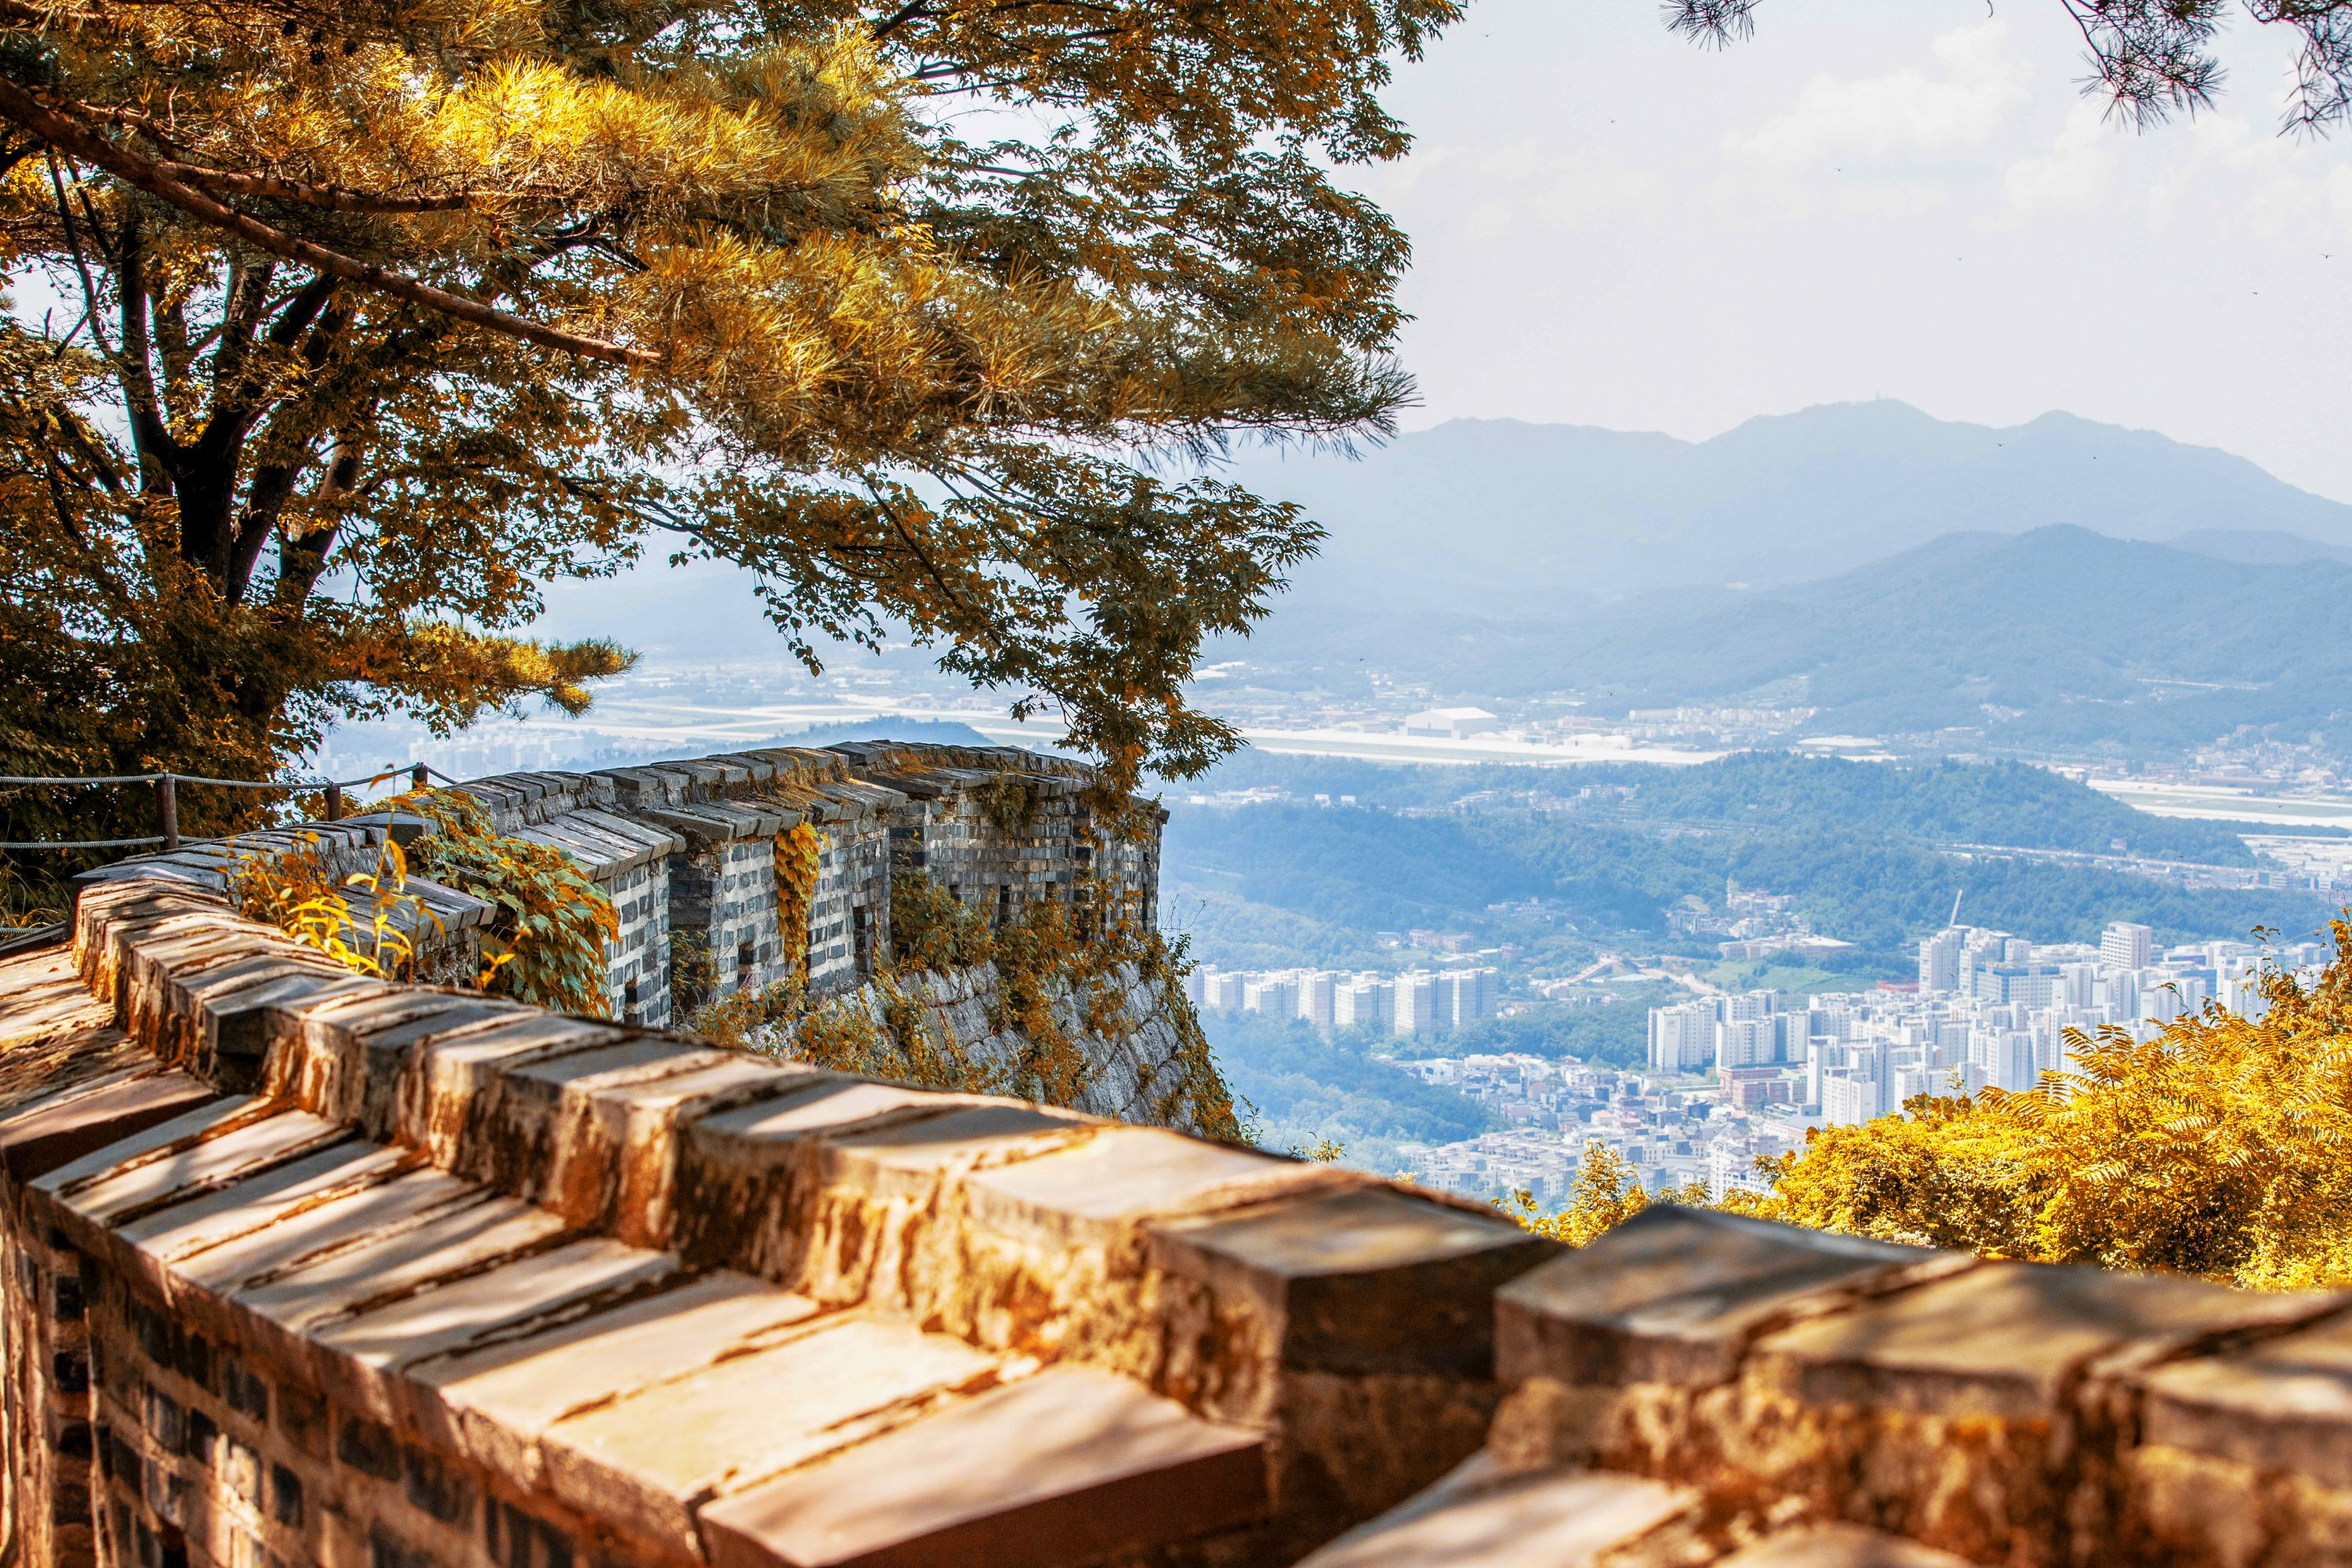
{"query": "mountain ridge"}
pixel 1526 515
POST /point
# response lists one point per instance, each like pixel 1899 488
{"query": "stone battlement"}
pixel 302 1267
pixel 685 851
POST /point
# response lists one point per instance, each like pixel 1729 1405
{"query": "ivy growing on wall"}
pixel 800 862
pixel 298 892
pixel 547 940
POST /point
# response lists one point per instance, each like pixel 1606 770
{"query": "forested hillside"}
pixel 1863 848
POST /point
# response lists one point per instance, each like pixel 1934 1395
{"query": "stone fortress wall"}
pixel 687 852
pixel 300 1267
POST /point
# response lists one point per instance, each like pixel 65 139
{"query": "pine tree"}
pixel 358 322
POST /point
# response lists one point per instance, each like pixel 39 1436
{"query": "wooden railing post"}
pixel 334 803
pixel 167 810
pixel 416 776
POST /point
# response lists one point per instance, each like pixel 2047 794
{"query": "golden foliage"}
pixel 548 941
pixel 299 894
pixel 933 928
pixel 2216 1148
pixel 799 859
pixel 1607 1191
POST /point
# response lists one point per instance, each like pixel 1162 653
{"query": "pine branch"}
pixel 335 198
pixel 79 141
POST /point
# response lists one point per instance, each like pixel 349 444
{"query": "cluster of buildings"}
pixel 1732 1078
pixel 1988 1009
pixel 1755 923
pixel 1418 1002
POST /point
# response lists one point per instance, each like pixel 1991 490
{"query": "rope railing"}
pixel 167 801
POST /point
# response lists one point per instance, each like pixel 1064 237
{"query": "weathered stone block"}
pixel 1369 1280
pixel 58 1130
pixel 651 1458
pixel 1675 1295
pixel 2000 1341
pixel 1067 1468
pixel 1546 1519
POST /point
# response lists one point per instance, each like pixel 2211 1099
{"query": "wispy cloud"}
pixel 1899 116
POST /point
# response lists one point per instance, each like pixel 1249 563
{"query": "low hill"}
pixel 1859 846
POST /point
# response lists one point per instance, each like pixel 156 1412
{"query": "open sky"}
pixel 1614 227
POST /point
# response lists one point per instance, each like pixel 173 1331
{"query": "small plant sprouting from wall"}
pixel 933 928
pixel 800 862
pixel 693 973
pixel 1008 801
pixel 547 943
pixel 299 894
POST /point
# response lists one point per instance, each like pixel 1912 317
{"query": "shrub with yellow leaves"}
pixel 2219 1148
pixel 299 894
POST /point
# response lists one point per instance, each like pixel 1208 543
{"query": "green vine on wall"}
pixel 1008 801
pixel 552 927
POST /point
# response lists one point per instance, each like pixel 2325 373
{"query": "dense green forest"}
pixel 1613 1036
pixel 1855 844
pixel 1304 1087
pixel 1948 802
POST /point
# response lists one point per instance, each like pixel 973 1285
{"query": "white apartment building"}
pixel 1363 1002
pixel 1275 995
pixel 1416 1004
pixel 1681 1039
pixel 2127 946
pixel 1318 997
pixel 1940 962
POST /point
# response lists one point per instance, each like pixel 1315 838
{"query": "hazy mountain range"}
pixel 2062 580
pixel 1495 516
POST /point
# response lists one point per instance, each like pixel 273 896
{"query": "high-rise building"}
pixel 1788 1037
pixel 2022 984
pixel 1416 1000
pixel 1363 1002
pixel 1222 992
pixel 2127 946
pixel 1465 997
pixel 1940 961
pixel 1275 995
pixel 1682 1038
pixel 1316 998
pixel 1746 1042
